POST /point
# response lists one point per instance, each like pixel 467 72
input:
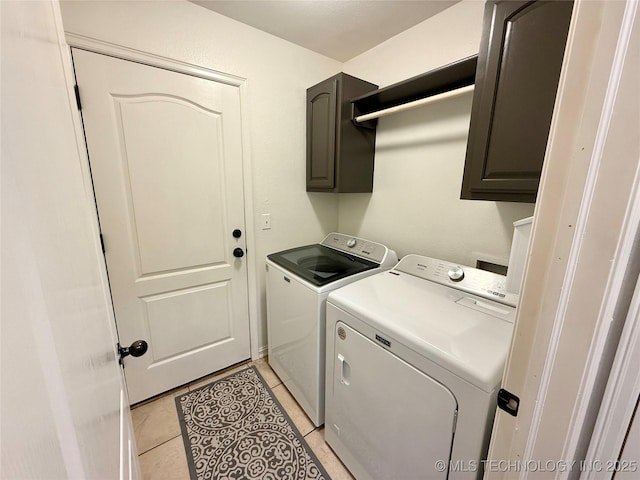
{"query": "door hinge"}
pixel 508 402
pixel 77 92
pixel 102 244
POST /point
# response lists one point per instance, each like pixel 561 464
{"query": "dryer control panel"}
pixel 489 285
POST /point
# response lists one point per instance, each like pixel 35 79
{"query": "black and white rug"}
pixel 234 428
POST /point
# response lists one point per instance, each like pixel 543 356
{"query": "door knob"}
pixel 238 252
pixel 237 233
pixel 136 349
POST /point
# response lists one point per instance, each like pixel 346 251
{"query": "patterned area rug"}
pixel 234 428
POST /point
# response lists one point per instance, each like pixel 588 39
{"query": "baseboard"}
pixel 263 351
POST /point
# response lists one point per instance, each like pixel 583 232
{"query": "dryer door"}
pixel 391 420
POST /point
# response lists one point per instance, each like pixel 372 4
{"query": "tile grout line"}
pixel 304 435
pixel 160 444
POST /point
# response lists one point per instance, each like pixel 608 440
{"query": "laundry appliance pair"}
pixel 414 354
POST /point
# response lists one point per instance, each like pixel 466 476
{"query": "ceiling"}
pixel 340 29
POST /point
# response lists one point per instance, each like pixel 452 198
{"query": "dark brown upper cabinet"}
pixel 339 153
pixel 519 64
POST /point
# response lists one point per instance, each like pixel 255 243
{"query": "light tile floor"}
pixel 159 441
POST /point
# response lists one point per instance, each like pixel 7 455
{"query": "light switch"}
pixel 266 221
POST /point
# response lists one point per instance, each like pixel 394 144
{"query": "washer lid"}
pixel 466 334
pixel 320 265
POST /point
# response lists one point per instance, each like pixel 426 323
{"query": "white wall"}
pixel 415 206
pixel 278 74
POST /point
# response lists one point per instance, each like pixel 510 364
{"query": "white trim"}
pixel 623 385
pixel 107 48
pixel 263 352
pixel 587 383
pixel 623 388
pixel 249 222
pixel 111 49
pixel 623 249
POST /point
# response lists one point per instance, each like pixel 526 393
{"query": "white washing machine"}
pixel 298 282
pixel 415 357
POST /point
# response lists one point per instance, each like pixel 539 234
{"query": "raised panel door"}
pixel 321 135
pixel 166 161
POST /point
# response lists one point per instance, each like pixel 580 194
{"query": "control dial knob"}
pixel 351 242
pixel 456 274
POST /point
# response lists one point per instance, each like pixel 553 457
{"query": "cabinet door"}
pixel 519 66
pixel 321 134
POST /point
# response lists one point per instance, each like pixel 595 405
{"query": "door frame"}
pixel 578 171
pixel 166 63
pixel 617 408
pixel 590 383
pixel 623 385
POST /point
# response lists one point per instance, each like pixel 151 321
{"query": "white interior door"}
pixel 65 412
pixel 166 161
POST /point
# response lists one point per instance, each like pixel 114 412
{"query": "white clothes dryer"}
pixel 298 283
pixel 415 357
